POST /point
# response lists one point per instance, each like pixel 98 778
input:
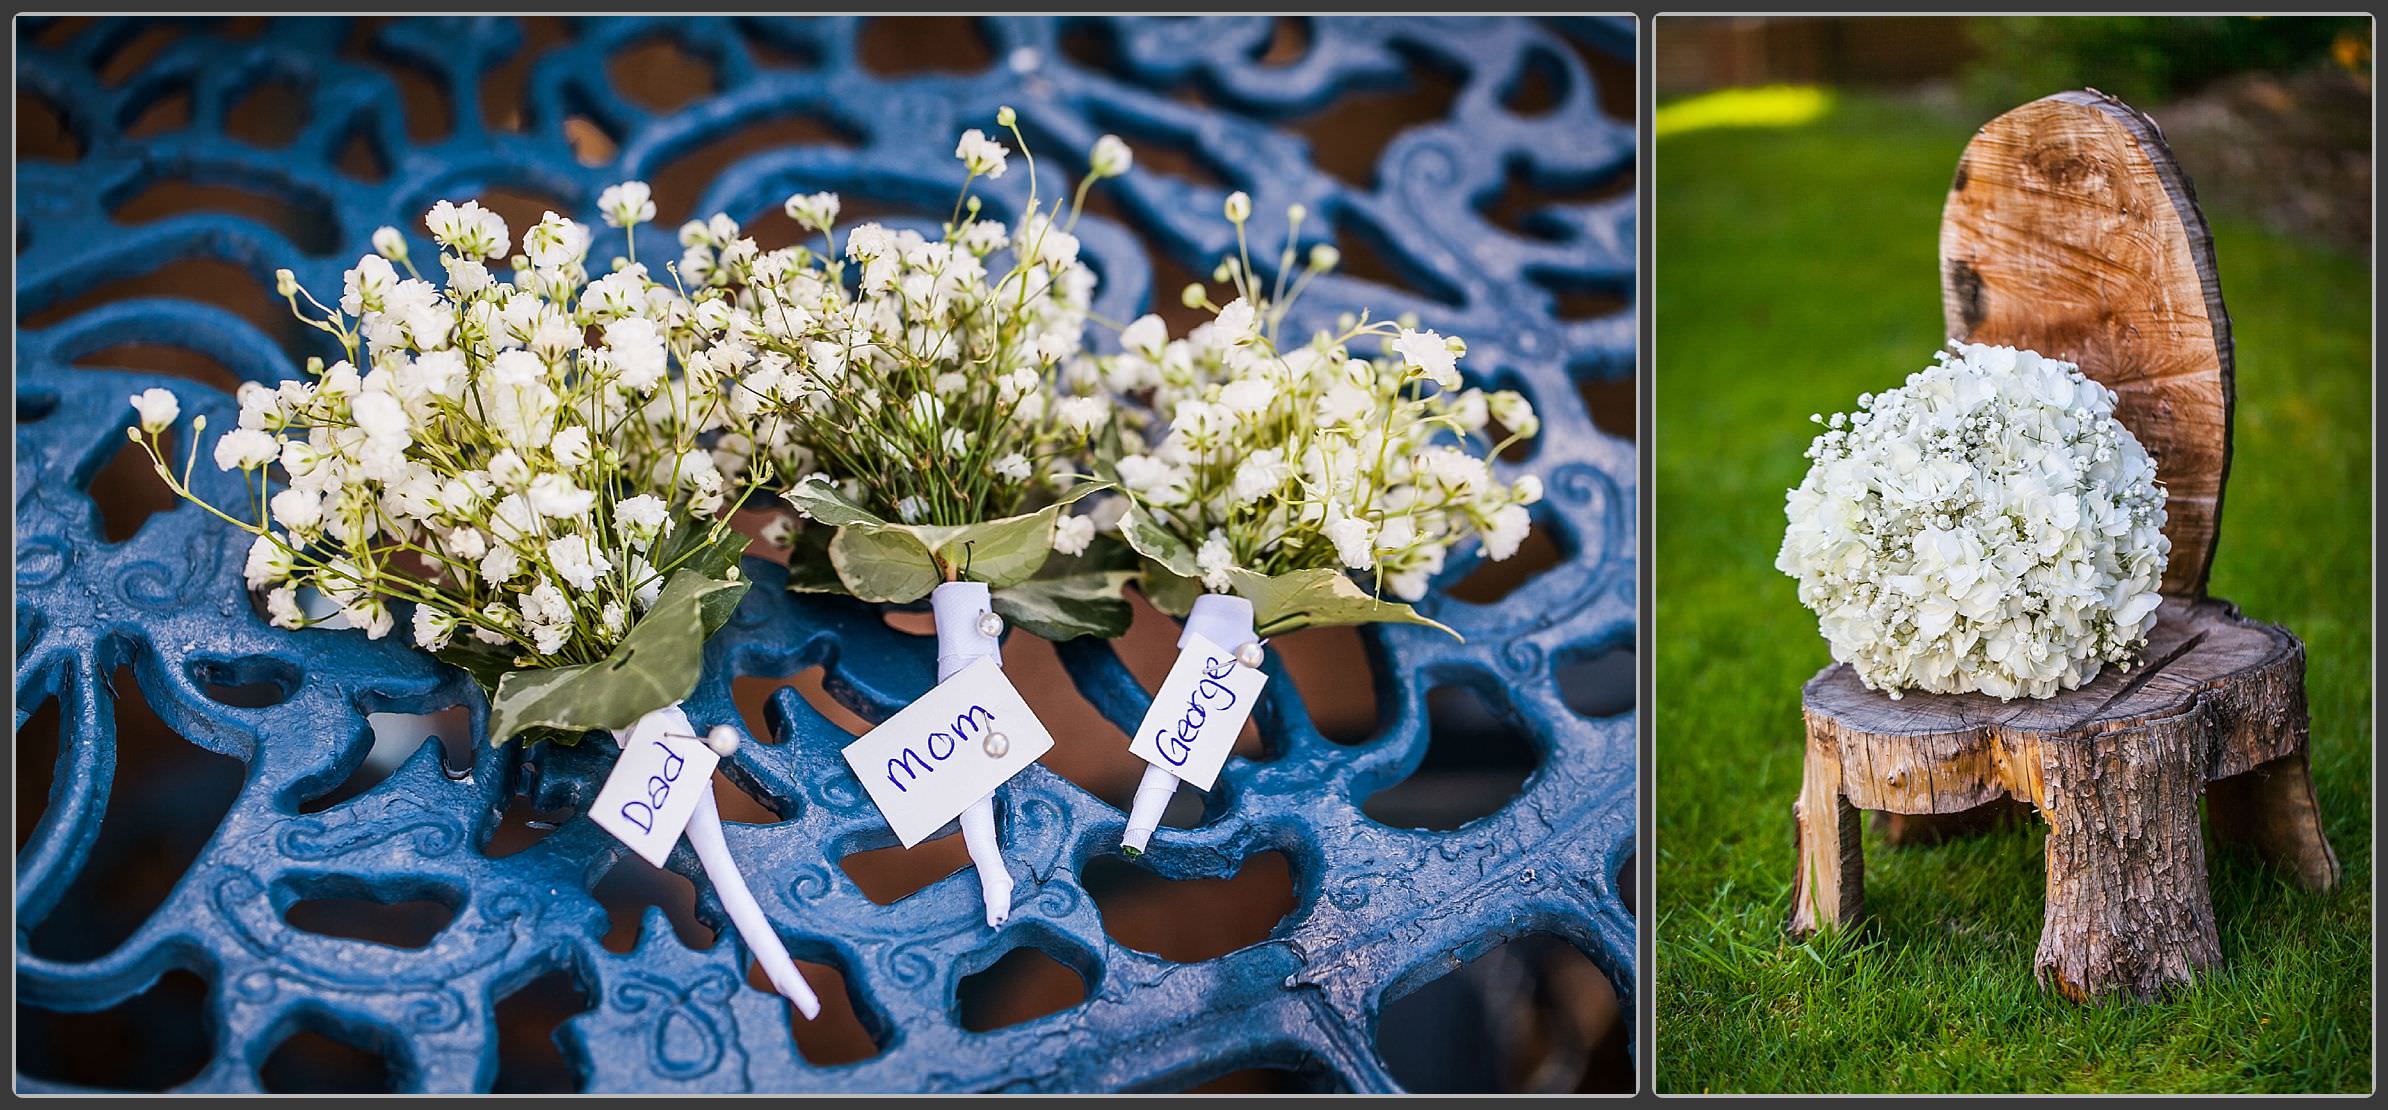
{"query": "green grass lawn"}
pixel 1795 269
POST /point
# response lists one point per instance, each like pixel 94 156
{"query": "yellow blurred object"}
pixel 1768 106
pixel 2352 51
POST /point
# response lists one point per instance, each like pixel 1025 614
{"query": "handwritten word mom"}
pixel 941 746
pixel 659 788
pixel 1176 742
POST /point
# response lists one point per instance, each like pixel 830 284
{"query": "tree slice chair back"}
pixel 2070 231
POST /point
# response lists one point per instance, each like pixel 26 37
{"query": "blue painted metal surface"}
pixel 1379 910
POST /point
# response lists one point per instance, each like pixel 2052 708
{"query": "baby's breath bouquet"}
pixel 1276 471
pixel 515 461
pixel 512 459
pixel 909 380
pixel 1266 474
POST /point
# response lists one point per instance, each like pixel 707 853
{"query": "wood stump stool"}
pixel 2070 231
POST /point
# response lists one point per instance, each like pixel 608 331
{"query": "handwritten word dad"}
pixel 654 788
pixel 926 764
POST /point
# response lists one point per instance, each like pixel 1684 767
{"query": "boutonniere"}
pixel 913 380
pixel 516 462
pixel 1275 486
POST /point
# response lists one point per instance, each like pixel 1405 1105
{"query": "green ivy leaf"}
pixel 487 663
pixel 883 565
pixel 879 561
pixel 1075 595
pixel 1156 543
pixel 693 547
pixel 809 568
pixel 821 501
pixel 1170 592
pixel 1317 598
pixel 655 665
pixel 1006 552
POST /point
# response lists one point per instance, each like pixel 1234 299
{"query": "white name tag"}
pixel 654 788
pixel 1198 712
pixel 925 765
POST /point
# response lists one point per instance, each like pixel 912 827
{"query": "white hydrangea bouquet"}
pixel 1988 526
pixel 515 460
pixel 1261 476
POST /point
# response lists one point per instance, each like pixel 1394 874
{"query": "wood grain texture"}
pixel 2069 230
pixel 2115 768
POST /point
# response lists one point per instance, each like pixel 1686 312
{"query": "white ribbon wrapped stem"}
pixel 704 835
pixel 1223 619
pixel 962 610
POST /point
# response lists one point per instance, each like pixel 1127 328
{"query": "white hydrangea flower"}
pixel 1986 527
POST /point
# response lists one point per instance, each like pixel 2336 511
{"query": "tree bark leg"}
pixel 1828 889
pixel 2128 911
pixel 2272 809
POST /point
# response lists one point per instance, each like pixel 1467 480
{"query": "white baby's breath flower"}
pixel 576 559
pixel 571 447
pixel 468 229
pixel 1430 355
pixel 1214 559
pixel 371 613
pixel 1354 538
pixel 157 408
pixel 1236 321
pixel 981 155
pixel 434 627
pixel 270 563
pixel 1507 531
pixel 812 211
pixel 1072 534
pixel 1146 336
pixel 555 241
pixel 1082 415
pixel 627 204
pixel 389 243
pixel 555 497
pixel 246 449
pixel 282 608
pixel 1110 157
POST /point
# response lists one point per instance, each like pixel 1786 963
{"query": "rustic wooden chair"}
pixel 2069 230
